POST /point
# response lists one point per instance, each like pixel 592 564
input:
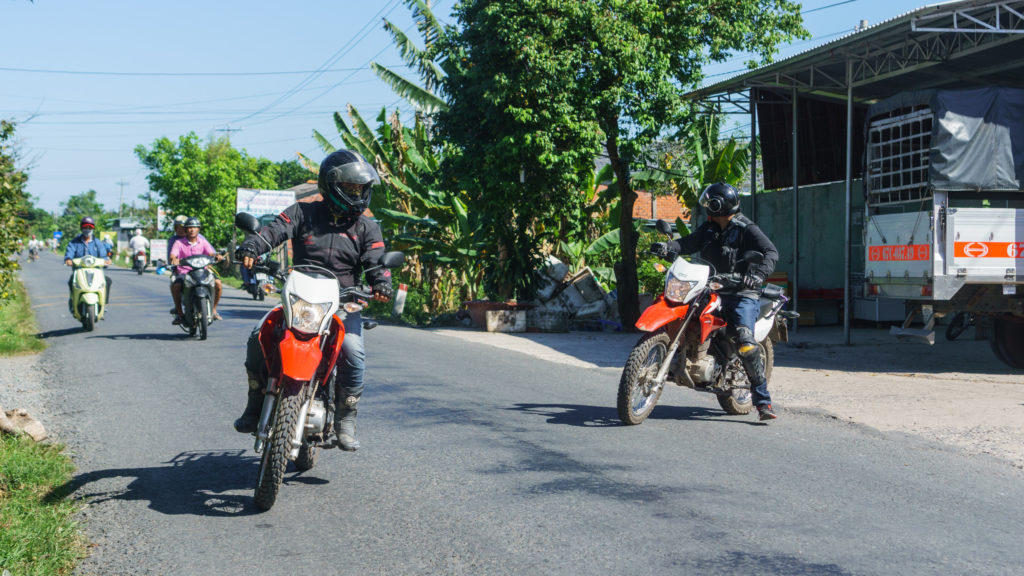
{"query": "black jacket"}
pixel 723 247
pixel 344 247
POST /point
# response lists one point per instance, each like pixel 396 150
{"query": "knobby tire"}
pixel 640 366
pixel 275 453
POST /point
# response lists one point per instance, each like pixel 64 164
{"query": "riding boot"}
pixel 246 424
pixel 345 418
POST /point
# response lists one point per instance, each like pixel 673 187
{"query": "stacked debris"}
pixel 567 301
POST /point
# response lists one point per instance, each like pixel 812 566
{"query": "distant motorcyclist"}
pixel 335 234
pixel 193 244
pixel 85 244
pixel 138 243
pixel 722 240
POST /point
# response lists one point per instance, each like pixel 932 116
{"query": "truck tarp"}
pixel 977 136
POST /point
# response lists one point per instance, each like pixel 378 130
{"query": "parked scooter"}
pixel 687 341
pixel 88 300
pixel 139 262
pixel 301 344
pixel 197 295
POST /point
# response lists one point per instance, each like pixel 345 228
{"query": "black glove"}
pixel 659 249
pixel 752 281
pixel 382 289
pixel 241 253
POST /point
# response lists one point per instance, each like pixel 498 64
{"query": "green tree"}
pixel 79 206
pixel 200 180
pixel 12 207
pixel 292 173
pixel 539 87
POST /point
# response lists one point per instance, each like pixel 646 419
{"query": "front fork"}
pixel 264 429
pixel 659 379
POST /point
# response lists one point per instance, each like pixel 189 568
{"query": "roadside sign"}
pixel 58 234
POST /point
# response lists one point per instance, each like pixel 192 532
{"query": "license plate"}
pixel 261 276
pixel 1009 289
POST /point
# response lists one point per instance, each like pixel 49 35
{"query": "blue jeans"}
pixel 350 366
pixel 741 312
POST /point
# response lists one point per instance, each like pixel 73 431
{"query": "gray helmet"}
pixel 192 222
pixel 346 181
pixel 720 199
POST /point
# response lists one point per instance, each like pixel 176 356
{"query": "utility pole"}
pixel 120 202
pixel 228 131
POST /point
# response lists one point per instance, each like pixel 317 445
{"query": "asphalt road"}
pixel 478 460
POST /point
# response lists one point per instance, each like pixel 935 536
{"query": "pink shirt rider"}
pixel 183 249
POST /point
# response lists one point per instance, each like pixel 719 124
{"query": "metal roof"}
pixel 947 45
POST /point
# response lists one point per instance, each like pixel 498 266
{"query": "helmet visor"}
pixel 714 204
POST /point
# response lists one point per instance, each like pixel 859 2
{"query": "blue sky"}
pixel 89 81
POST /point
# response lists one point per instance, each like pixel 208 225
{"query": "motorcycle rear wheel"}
pixel 307 457
pixel 275 454
pixel 1007 342
pixel 638 395
pixel 739 402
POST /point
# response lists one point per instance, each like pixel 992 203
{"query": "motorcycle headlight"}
pixel 676 289
pixel 307 316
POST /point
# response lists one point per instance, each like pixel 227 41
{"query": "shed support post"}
pixel 796 211
pixel 753 154
pixel 847 300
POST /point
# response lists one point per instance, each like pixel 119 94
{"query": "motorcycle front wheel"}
pixel 638 393
pixel 275 453
pixel 204 318
pixel 88 317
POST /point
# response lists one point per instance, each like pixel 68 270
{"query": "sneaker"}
pixel 765 412
pixel 178 319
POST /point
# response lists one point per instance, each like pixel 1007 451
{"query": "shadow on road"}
pixel 60 332
pixel 156 336
pixel 197 483
pixel 603 416
pixel 243 313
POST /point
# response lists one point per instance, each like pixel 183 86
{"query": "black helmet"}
pixel 346 181
pixel 720 199
pixel 192 222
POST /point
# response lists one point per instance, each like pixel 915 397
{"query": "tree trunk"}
pixel 628 287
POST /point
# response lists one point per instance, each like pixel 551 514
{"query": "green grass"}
pixel 18 328
pixel 38 534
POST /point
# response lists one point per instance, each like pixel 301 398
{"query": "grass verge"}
pixel 38 534
pixel 18 328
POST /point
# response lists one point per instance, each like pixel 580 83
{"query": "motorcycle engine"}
pixel 704 370
pixel 317 417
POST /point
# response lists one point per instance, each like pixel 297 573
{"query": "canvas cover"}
pixel 977 136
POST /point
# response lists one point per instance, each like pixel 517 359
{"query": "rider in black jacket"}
pixel 335 234
pixel 722 240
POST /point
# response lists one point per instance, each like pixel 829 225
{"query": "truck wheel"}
pixel 1008 342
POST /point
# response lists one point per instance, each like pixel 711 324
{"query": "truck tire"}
pixel 1008 342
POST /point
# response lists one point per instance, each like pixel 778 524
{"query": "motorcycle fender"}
pixel 768 327
pixel 202 291
pixel 659 314
pixel 91 298
pixel 299 358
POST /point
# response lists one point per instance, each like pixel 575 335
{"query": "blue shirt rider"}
pixel 85 244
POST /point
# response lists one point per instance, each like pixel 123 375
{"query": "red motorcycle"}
pixel 686 342
pixel 139 262
pixel 301 342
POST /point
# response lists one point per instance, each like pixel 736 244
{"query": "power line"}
pixel 172 74
pixel 833 5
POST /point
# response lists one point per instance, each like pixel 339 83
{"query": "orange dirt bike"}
pixel 301 341
pixel 687 343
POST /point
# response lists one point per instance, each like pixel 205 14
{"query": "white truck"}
pixel 944 222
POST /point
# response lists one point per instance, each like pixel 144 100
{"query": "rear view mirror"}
pixel 392 259
pixel 247 222
pixel 663 227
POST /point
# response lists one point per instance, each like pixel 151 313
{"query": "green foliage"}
pixel 200 180
pixel 540 86
pixel 292 173
pixel 12 206
pixel 18 326
pixel 39 535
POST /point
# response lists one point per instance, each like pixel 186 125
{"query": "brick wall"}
pixel 665 207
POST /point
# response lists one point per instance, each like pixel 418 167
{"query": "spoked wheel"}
pixel 638 392
pixel 307 457
pixel 739 401
pixel 204 318
pixel 958 324
pixel 275 453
